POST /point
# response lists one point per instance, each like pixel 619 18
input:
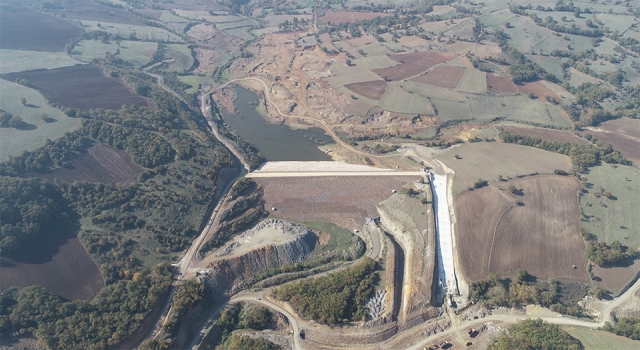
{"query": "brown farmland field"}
pixel 615 278
pixel 547 134
pixel 337 17
pixel 443 76
pixel 65 269
pixel 344 201
pixel 100 163
pixel 536 236
pixel 371 89
pixel 82 87
pixel 623 135
pixel 412 64
pixel 499 84
pixel 31 30
pixel 539 90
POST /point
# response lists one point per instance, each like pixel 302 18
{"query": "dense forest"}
pixel 242 342
pixel 101 323
pixel 336 297
pixel 30 211
pixel 524 289
pixel 536 334
pixel 625 326
pixel 130 229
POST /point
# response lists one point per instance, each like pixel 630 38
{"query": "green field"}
pixel 487 160
pixel 131 30
pixel 449 104
pixel 181 54
pixel 22 60
pixel 191 80
pixel 598 340
pixel 374 49
pixel 14 141
pixel 616 22
pixel 550 64
pixel 241 33
pixel 473 81
pixel 398 100
pixel 354 77
pixel 518 108
pixel 613 219
pixel 136 52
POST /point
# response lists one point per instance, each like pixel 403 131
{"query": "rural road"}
pixel 252 297
pixel 334 173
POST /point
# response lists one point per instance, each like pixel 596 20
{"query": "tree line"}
pixel 582 156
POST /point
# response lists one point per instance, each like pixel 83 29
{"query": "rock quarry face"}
pixel 283 243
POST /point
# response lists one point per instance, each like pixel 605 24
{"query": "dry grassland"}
pixel 487 160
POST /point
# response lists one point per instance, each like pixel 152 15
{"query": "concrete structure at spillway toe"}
pixel 446 280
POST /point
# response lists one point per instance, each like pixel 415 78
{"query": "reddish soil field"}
pixel 547 134
pixel 615 278
pixel 65 269
pixel 344 201
pixel 412 64
pixel 499 84
pixel 538 90
pixel 443 76
pixel 496 235
pixel 623 135
pixel 82 87
pixel 31 30
pixel 101 163
pixel 344 16
pixel 371 89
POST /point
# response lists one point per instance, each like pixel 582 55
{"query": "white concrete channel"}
pixel 445 267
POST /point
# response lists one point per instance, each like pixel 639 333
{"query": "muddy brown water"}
pixel 275 142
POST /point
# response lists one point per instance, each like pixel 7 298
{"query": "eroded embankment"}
pixel 408 217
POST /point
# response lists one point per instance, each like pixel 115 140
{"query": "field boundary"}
pixel 493 240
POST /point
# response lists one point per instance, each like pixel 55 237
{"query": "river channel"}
pixel 275 142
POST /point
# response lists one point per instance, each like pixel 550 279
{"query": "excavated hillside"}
pixel 270 244
pixel 409 218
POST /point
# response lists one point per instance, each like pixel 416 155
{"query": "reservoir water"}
pixel 275 142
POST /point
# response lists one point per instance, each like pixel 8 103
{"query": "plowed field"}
pixel 412 64
pixel 538 90
pixel 623 135
pixel 82 87
pixel 31 30
pixel 344 201
pixel 66 270
pixel 101 163
pixel 443 76
pixel 371 89
pixel 499 84
pixel 496 235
